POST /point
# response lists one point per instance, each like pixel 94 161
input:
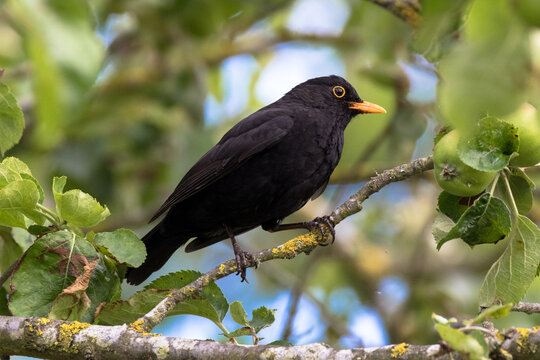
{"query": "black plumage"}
pixel 263 169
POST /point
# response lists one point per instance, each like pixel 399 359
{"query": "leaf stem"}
pixel 509 189
pixel 222 327
pixel 494 183
pixel 50 215
pixel 68 263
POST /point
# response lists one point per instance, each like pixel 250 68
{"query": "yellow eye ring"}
pixel 339 91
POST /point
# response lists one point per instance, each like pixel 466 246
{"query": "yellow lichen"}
pixel 138 327
pixel 523 339
pixel 399 350
pixel 536 329
pixel 44 321
pixel 29 327
pixel 221 269
pixel 291 247
pixel 505 353
pixel 523 333
pixel 67 331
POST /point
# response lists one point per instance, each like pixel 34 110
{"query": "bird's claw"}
pixel 319 222
pixel 242 258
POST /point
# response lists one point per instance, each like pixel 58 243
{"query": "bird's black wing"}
pixel 254 134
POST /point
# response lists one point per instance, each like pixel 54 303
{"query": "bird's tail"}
pixel 159 248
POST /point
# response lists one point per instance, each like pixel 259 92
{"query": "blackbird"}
pixel 263 169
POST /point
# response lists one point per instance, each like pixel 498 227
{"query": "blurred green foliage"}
pixel 113 95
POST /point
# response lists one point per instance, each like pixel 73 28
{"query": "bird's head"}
pixel 332 92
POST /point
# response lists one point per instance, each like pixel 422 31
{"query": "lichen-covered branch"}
pixel 527 308
pixel 407 10
pixel 55 339
pixel 376 183
pixel 301 244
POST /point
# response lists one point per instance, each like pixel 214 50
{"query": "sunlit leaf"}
pixel 238 313
pixel 77 207
pixel 511 275
pixel 11 119
pixel 465 345
pixel 487 221
pixel 520 193
pixel 493 312
pixel 262 317
pixel 209 303
pixel 123 245
pixel 15 198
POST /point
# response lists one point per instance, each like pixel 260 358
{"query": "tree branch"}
pixel 527 308
pixel 55 339
pixel 8 272
pixel 301 244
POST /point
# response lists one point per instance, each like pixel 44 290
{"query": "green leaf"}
pixel 77 207
pixel 73 303
pixel 123 245
pixel 490 148
pixel 10 250
pixel 442 225
pixel 14 165
pixel 511 275
pixel 453 206
pixel 487 221
pixel 493 312
pixel 15 198
pixel 212 293
pixel 238 313
pixel 69 307
pixel 19 195
pixel 243 331
pixel 480 337
pixel 465 345
pixel 521 193
pixel 11 119
pixel 52 264
pixel 519 172
pixel 126 311
pixel 280 343
pixel 209 303
pixel 439 28
pixel 23 237
pixel 38 186
pixel 105 286
pixel 262 317
pixel 12 169
pixel 39 230
pixel 438 319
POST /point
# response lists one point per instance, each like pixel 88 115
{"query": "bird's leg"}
pixel 240 256
pixel 318 223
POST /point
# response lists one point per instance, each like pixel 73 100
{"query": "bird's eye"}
pixel 339 91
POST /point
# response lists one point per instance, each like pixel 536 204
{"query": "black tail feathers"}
pixel 159 248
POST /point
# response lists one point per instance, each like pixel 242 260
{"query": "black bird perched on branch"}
pixel 262 170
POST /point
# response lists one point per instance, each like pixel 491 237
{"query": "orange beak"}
pixel 367 107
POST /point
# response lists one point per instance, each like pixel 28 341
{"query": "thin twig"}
pixel 8 272
pixel 527 308
pixel 301 244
